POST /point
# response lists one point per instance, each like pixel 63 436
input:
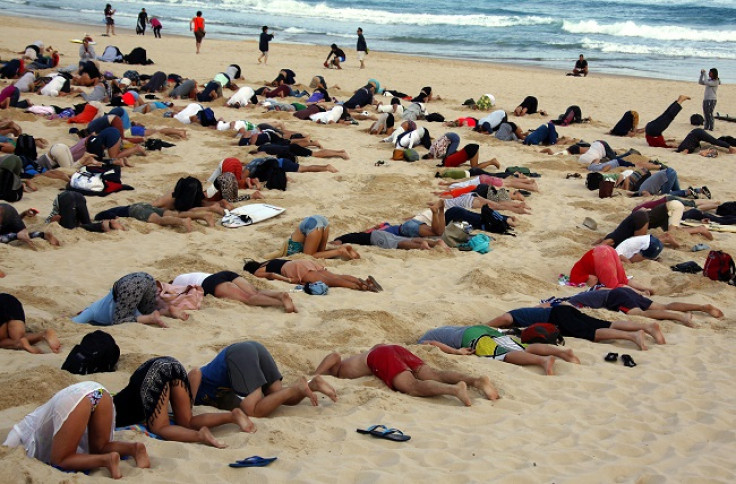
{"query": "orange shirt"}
pixel 198 23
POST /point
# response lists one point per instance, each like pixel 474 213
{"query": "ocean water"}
pixel 668 39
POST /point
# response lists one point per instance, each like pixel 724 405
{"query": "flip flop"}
pixel 253 461
pixel 699 247
pixel 381 432
pixel 628 361
pixel 374 282
pixel 611 357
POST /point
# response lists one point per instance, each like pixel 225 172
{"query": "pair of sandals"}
pixel 626 359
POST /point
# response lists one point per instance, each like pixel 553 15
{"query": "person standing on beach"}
pixel 709 99
pixel 197 25
pixel 362 48
pixel 140 28
pixel 263 44
pixel 109 21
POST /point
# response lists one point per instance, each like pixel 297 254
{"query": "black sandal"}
pixel 628 361
pixel 611 357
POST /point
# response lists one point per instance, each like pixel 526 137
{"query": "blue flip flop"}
pixel 253 461
pixel 382 432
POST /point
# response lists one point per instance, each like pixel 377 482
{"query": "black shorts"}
pixel 624 299
pixel 10 309
pixel 211 282
pixel 575 324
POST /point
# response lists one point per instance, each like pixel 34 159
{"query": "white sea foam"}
pixel 664 32
pixel 296 8
pixel 668 51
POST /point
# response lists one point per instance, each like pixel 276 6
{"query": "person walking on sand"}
pixel 109 21
pixel 263 44
pixel 709 99
pixel 402 370
pixel 362 48
pixel 197 26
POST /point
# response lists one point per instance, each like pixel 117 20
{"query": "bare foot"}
pixel 113 464
pixel 26 345
pixel 210 219
pixel 158 320
pixel 257 195
pixel 709 308
pixel 486 387
pixel 115 225
pixel 331 169
pixel 549 365
pixel 241 420
pixel 655 332
pixel 640 340
pixel 344 155
pixel 569 356
pixel 686 319
pixel 141 456
pixel 206 437
pixel 52 340
pixel 303 385
pixel 373 282
pixel 318 384
pixel 461 392
pixel 288 303
pixel 51 239
pixel 187 224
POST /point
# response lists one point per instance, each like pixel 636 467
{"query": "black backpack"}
pixel 207 117
pixel 96 353
pixel 187 194
pixel 593 180
pixel 495 222
pixel 25 147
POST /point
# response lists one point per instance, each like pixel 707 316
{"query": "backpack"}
pixel 605 189
pixel 187 194
pixel 593 181
pixel 96 353
pixel 719 266
pixel 542 333
pixel 495 222
pixel 207 117
pixel 25 147
pixel 410 154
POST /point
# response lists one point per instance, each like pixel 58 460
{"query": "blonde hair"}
pixel 635 123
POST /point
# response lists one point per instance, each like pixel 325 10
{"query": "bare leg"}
pixel 483 384
pixel 637 337
pixel 259 405
pixel 324 153
pixel 652 329
pixel 524 359
pixel 682 317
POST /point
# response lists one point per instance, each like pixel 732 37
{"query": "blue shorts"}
pixel 528 316
pixel 138 130
pixel 410 228
pixel 312 223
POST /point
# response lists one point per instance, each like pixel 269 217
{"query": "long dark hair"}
pixel 251 265
pixel 713 73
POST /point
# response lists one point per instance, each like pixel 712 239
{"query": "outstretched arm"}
pixel 449 349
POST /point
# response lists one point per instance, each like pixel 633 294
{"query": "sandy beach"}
pixel 669 419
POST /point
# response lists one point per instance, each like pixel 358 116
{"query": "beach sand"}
pixel 670 419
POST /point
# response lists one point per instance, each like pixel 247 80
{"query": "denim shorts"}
pixel 410 228
pixel 312 223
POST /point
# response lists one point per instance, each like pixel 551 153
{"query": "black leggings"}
pixel 13 236
pixel 696 214
pixel 692 141
pixel 357 238
pixel 73 212
pixel 657 126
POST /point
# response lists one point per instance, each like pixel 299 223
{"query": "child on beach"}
pixel 403 371
pixel 263 41
pixel 338 56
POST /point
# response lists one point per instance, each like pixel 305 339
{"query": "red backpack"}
pixel 542 333
pixel 719 266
